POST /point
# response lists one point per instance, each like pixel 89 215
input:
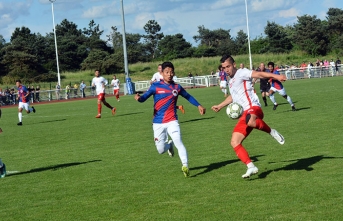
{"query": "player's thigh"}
pixel 160 134
pixel 101 97
pixel 223 84
pixel 174 130
pixel 282 92
pixel 23 105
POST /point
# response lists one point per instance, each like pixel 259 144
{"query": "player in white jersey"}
pixel 115 84
pixel 99 83
pixel 242 92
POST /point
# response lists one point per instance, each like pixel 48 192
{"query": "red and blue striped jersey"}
pixel 275 83
pixel 165 99
pixel 22 92
pixel 223 75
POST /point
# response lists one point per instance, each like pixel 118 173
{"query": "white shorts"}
pixel 282 92
pixel 23 105
pixel 223 84
pixel 160 131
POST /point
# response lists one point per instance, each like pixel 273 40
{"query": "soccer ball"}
pixel 234 110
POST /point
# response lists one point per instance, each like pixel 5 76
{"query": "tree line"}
pixel 31 56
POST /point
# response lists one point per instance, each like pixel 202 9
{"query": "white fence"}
pixel 311 72
pixel 186 82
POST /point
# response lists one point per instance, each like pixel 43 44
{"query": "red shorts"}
pixel 101 96
pixel 115 91
pixel 241 126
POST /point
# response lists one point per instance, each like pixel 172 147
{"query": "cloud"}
pixel 10 11
pixel 269 5
pixel 292 12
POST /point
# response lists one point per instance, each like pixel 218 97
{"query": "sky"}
pixel 174 16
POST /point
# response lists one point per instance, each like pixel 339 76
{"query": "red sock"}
pixel 242 154
pixel 99 108
pixel 117 96
pixel 261 125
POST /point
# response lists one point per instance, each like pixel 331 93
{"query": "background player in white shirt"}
pixel 99 83
pixel 242 92
pixel 116 85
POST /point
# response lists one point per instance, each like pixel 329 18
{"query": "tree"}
pixel 93 34
pixel 241 43
pixel 175 46
pixel 20 57
pixel 2 53
pixel 310 35
pixel 214 42
pixel 278 41
pixel 335 29
pixel 153 36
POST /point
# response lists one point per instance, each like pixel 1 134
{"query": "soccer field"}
pixel 65 164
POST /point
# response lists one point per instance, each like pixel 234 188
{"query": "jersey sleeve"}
pixel 147 94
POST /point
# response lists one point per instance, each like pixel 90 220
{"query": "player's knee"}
pixel 160 146
pixel 285 96
pixel 234 143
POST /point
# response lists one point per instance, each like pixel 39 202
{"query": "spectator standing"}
pixel 76 87
pixel 67 96
pixel 82 89
pixel 58 91
pixel 37 93
pixel 338 66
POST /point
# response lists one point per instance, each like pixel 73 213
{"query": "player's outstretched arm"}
pixel 218 107
pixel 260 74
pixel 202 110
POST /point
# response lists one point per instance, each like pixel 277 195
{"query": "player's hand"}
pixel 202 110
pixel 216 108
pixel 282 78
pixel 137 96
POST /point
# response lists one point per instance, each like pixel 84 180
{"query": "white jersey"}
pixel 115 83
pixel 99 83
pixel 242 90
pixel 157 77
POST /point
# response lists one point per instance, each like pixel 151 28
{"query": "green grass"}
pixel 75 167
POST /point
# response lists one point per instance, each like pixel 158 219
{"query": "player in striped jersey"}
pixel 165 119
pixel 242 91
pixel 23 98
pixel 276 86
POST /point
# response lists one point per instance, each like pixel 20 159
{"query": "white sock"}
pixel 272 98
pixel 250 165
pixel 20 116
pixel 290 100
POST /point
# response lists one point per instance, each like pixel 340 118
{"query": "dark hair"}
pixel 97 70
pixel 18 81
pixel 227 57
pixel 167 64
pixel 220 67
pixel 271 63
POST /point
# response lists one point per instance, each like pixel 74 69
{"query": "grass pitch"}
pixel 67 165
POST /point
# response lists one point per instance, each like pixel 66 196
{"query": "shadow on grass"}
pixel 50 121
pixel 120 115
pixel 54 167
pixel 214 166
pixel 193 120
pixel 299 164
